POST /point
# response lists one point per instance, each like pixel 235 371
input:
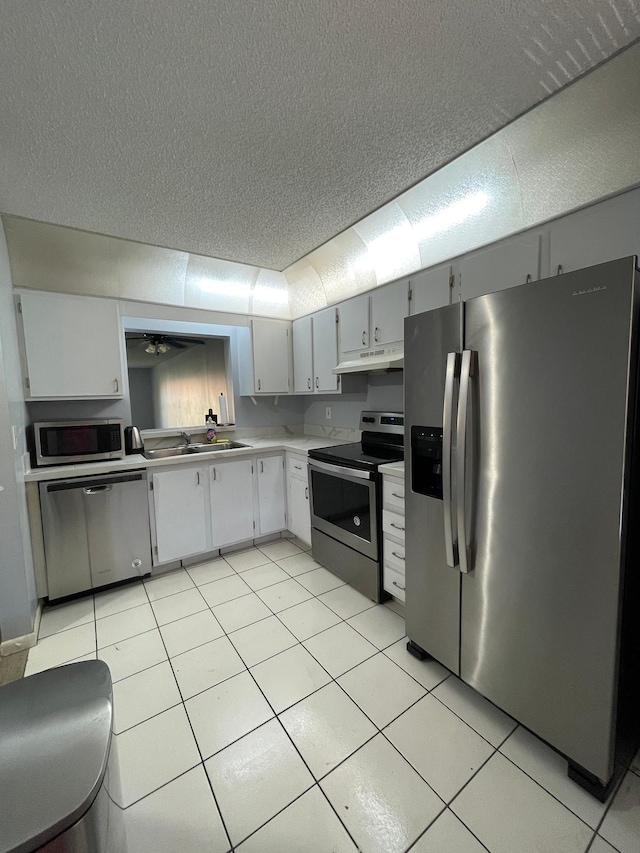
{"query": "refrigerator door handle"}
pixel 451 546
pixel 466 371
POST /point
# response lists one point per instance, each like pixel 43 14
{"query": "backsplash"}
pixel 383 393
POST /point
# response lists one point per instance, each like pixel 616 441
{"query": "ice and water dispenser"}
pixel 426 461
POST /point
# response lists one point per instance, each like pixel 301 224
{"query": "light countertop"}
pixel 393 469
pixel 299 444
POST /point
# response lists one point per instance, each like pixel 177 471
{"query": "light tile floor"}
pixel 261 705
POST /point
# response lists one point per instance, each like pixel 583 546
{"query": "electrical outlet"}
pixel 327 413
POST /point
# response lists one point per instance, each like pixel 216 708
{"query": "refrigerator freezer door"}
pixel 432 607
pixel 540 610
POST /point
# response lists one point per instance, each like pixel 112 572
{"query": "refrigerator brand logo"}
pixel 589 290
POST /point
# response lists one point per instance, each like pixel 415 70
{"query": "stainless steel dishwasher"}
pixel 96 531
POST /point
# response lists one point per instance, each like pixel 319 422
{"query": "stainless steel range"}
pixel 345 488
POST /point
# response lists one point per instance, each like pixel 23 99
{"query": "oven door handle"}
pixel 340 470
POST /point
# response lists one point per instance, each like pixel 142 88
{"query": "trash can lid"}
pixel 55 733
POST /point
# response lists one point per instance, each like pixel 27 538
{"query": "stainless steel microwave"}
pixel 64 442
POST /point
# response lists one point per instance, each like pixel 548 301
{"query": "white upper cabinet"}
pixel 430 289
pixel 325 350
pixel 354 324
pixel 271 495
pixel 179 505
pixel 303 378
pixel 506 264
pixel 389 307
pixel 603 232
pixel 271 356
pixel 315 353
pixel 73 346
pixel 231 490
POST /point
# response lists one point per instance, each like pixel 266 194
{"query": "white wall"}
pixel 17 585
pixel 383 394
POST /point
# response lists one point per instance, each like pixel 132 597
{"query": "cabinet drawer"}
pixel 297 467
pixel 393 524
pixel 393 582
pixel 393 555
pixel 393 493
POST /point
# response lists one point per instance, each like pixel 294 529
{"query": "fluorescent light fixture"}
pixel 225 287
pixel 274 295
pixel 450 215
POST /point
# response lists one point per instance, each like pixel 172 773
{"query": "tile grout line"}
pixel 195 740
pixel 284 729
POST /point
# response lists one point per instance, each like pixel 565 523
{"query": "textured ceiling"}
pixel 257 131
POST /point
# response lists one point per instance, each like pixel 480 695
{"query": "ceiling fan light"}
pixel 162 348
pixel 150 348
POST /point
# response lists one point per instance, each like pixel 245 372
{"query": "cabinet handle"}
pixel 298 467
pixel 560 270
pixel 261 467
pixel 197 478
pixel 259 385
pixel 397 526
pixel 117 384
pixel 309 383
pixel 528 279
pixel 364 342
pixel 306 493
pixel 214 473
pixel 396 495
pixel 375 334
pixel 317 383
pixel 399 556
pixel 398 585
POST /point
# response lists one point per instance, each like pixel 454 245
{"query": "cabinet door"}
pixel 231 489
pixel 600 233
pixel 325 350
pixel 389 307
pixel 271 500
pixel 72 345
pixel 299 515
pixel 354 324
pixel 302 356
pixel 506 264
pixel 430 289
pixel 271 356
pixel 179 503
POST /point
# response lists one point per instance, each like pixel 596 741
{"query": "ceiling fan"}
pixel 160 344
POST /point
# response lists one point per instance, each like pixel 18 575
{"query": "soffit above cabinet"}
pixel 256 132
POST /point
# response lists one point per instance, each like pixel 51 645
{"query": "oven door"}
pixel 344 505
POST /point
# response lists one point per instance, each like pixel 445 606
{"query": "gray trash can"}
pixel 55 763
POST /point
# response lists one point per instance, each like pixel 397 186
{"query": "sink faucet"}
pixel 187 438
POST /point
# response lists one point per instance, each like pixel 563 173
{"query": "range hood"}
pixel 373 361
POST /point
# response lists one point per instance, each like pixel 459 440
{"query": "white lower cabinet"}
pixel 180 513
pixel 271 500
pixel 393 554
pixel 231 492
pixel 298 505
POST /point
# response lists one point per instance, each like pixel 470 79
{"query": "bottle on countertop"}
pixel 211 435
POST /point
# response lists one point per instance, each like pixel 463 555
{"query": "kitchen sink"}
pixel 190 449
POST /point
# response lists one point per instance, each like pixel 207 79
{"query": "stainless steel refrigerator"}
pixel 521 569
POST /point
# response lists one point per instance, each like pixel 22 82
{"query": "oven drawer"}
pixel 393 555
pixel 393 494
pixel 393 523
pixel 393 582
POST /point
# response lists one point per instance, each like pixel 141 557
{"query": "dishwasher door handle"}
pixel 94 490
